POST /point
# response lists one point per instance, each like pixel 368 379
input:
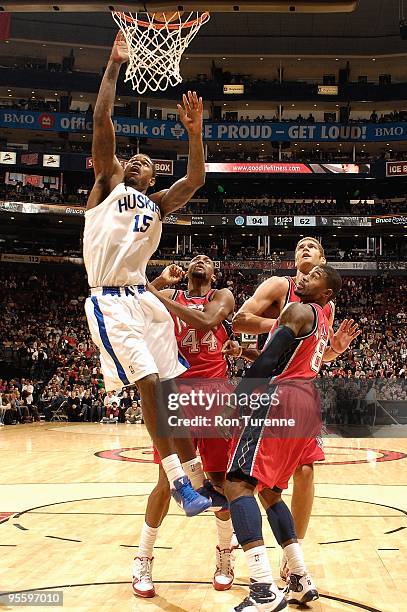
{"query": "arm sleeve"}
pixel 263 367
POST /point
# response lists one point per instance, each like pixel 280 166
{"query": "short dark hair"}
pixel 333 278
pixel 153 166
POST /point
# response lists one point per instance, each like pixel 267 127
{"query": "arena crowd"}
pixel 44 337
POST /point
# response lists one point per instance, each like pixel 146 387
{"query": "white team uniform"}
pixel 131 327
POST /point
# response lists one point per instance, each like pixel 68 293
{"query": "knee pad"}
pixel 246 519
pixel 281 522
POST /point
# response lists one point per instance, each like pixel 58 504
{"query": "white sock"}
pixel 225 533
pixel 295 559
pixel 300 541
pixel 193 469
pixel 259 565
pixel 148 537
pixel 172 467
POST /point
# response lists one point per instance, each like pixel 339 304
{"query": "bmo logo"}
pixel 46 121
pixel 19 119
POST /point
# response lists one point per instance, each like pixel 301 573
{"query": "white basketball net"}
pixel 155 49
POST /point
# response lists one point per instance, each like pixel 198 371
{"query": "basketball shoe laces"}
pixel 145 569
pixel 187 492
pixel 263 596
pixel 223 562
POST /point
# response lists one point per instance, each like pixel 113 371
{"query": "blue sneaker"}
pixel 191 502
pixel 219 501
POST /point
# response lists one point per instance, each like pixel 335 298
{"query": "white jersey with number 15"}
pixel 120 235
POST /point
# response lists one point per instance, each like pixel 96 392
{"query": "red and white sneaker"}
pixel 224 576
pixel 142 584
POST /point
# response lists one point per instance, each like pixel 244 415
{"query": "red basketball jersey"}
pixel 201 348
pixel 304 357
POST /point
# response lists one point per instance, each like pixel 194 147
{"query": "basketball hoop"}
pixel 156 47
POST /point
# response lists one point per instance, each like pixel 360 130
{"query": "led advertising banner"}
pixel 398 168
pixel 285 168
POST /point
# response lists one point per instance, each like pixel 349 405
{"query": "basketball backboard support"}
pixel 221 6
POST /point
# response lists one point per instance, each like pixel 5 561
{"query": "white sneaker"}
pixel 1 424
pixel 223 576
pixel 264 597
pixel 301 589
pixel 142 577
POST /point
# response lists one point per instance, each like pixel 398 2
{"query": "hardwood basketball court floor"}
pixel 72 499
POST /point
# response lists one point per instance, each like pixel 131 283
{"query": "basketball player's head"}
pixel 322 284
pixel 140 172
pixel 308 254
pixel 202 268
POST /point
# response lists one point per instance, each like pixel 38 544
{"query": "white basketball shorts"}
pixel 135 335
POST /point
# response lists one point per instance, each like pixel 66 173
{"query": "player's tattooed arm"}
pixel 105 163
pixel 252 317
pixel 179 194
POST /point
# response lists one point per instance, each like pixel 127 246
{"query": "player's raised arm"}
pixel 181 192
pixel 250 318
pixel 214 312
pixel 108 171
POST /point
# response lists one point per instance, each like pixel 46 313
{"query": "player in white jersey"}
pixel 130 326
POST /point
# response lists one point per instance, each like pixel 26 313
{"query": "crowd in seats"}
pixel 44 335
pixel 296 154
pixel 317 206
pixel 52 106
pixel 42 195
pixel 296 206
pixel 374 303
pixel 359 401
pixel 41 104
pixel 222 251
pixel 397 115
pixel 224 205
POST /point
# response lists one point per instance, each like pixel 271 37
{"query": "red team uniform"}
pixel 313 451
pixel 202 349
pixel 271 461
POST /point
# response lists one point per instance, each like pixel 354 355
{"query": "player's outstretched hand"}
pixel 120 52
pixel 347 332
pixel 191 113
pixel 231 348
pixel 172 274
